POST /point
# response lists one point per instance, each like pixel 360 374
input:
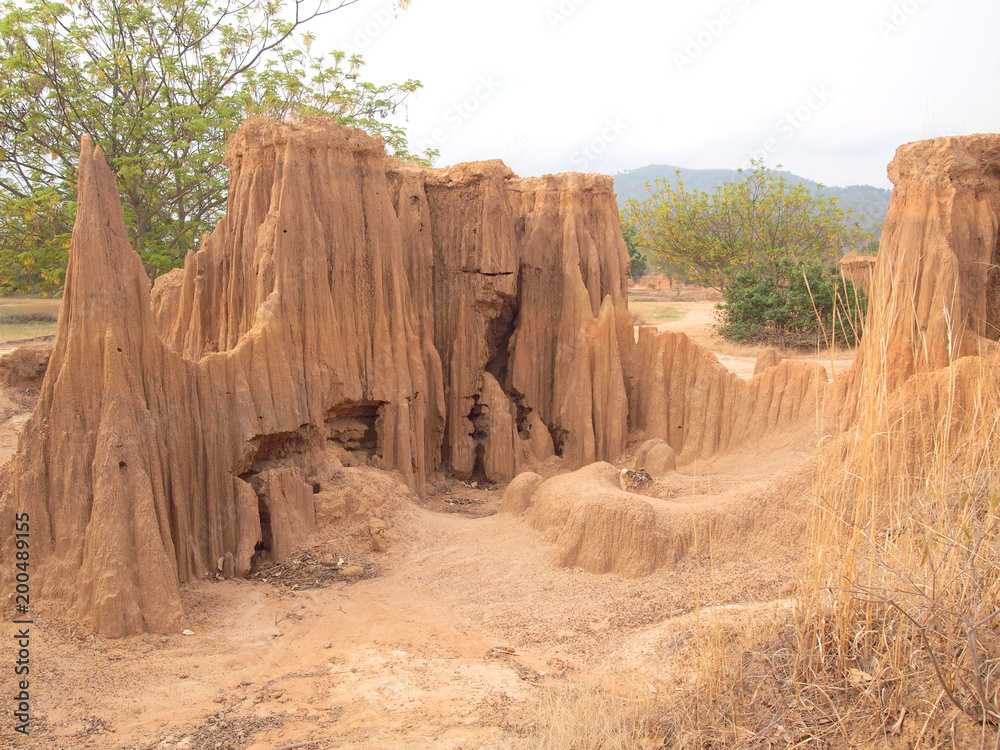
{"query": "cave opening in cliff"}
pixel 559 436
pixel 273 447
pixel 479 434
pixel 268 450
pixel 521 418
pixel 353 426
pixel 498 336
pixel 262 550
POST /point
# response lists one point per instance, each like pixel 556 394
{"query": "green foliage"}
pixel 159 85
pixel 868 204
pixel 638 260
pixel 759 223
pixel 796 307
pixel 870 247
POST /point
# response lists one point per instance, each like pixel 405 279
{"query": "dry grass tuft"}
pixel 899 612
pixel 731 684
pixel 607 715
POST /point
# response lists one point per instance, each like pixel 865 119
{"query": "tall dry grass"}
pixel 898 616
pixel 894 637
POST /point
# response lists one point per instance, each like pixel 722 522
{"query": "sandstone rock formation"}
pixel 682 394
pixel 920 396
pixel 349 309
pixel 352 313
pixel 768 358
pixel 935 294
pixel 24 368
pixel 858 269
pixel 438 310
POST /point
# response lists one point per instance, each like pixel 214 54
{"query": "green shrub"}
pixel 635 255
pixel 796 307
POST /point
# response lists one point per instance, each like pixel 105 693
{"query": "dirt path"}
pixel 446 648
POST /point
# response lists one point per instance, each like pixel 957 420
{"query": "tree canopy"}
pixel 758 222
pixel 159 85
pixel 637 261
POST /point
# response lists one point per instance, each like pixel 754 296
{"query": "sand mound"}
pixel 655 457
pixel 517 496
pixel 601 528
pixel 24 368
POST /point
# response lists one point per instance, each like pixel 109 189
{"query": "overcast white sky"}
pixel 827 89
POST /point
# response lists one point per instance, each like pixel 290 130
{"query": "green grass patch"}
pixel 653 312
pixel 32 329
pixel 27 318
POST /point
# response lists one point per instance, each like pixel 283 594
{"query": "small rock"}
pixel 187 632
pixel 376 531
pixel 858 677
pixel 328 644
pixel 353 571
pixel 656 458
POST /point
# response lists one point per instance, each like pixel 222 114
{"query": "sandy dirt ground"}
pixel 446 640
pixel 465 619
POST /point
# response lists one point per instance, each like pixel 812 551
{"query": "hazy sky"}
pixel 827 89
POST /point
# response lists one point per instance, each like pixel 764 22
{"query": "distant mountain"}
pixel 869 204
